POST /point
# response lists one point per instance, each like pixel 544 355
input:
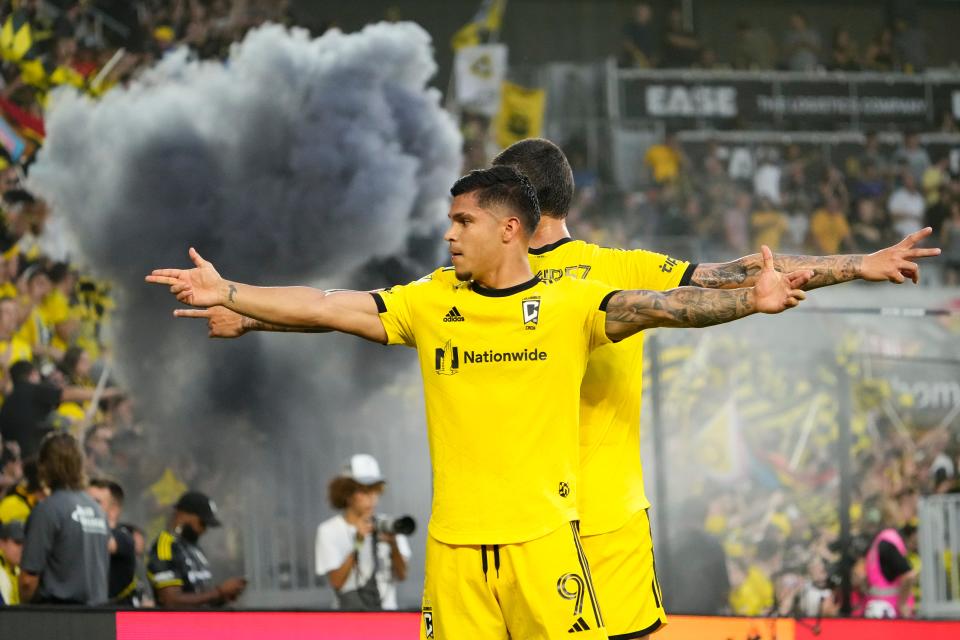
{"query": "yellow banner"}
pixel 520 115
pixel 486 21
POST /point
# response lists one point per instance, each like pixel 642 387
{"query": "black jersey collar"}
pixel 503 293
pixel 549 247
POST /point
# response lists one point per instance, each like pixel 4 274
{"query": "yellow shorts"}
pixel 626 576
pixel 535 590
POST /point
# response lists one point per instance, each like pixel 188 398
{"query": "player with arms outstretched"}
pixel 502 394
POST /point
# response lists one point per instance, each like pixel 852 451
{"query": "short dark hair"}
pixel 20 371
pixel 58 272
pixel 502 185
pixel 116 491
pixel 547 168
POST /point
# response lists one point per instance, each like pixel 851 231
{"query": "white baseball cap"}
pixel 363 468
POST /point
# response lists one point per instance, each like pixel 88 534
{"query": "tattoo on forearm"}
pixel 231 292
pixel 728 275
pixel 251 324
pixel 682 307
pixel 827 270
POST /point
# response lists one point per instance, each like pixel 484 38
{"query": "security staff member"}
pixel 176 567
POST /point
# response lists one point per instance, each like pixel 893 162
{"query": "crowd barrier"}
pixel 93 624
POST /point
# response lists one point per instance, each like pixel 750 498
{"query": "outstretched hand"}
pixel 201 286
pixel 221 322
pixel 775 291
pixel 895 264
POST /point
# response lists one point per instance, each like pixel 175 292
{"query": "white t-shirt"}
pixel 766 182
pixel 335 541
pixel 911 205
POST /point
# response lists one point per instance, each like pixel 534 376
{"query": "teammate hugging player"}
pixel 503 554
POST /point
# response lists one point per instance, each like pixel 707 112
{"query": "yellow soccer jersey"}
pixel 501 369
pixel 611 474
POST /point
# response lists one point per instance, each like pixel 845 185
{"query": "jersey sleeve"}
pixel 161 569
pixel 394 307
pixel 41 533
pixel 596 297
pixel 640 269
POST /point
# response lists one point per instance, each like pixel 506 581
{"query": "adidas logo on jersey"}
pixel 579 625
pixel 453 316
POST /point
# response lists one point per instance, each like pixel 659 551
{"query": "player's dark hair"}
pixel 342 487
pixel 116 491
pixel 547 168
pixel 505 186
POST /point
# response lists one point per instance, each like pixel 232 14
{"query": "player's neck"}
pixel 549 231
pixel 513 270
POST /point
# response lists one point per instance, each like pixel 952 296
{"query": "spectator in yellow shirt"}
pixel 18 504
pixel 12 348
pixel 829 228
pixel 665 159
pixel 11 550
pixel 769 224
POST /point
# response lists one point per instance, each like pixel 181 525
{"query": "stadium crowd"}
pixel 792 199
pixel 55 346
pixel 780 553
pixel 652 41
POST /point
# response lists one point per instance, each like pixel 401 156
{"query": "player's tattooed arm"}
pixel 743 272
pixel 681 307
pixel 893 264
pixel 226 323
pixel 252 324
pixel 631 311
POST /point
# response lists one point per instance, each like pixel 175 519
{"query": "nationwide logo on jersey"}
pixel 453 316
pixel 531 312
pixel 447 360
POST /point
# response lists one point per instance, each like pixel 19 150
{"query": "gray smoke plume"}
pixel 296 159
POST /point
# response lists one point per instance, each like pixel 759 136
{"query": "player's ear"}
pixel 511 228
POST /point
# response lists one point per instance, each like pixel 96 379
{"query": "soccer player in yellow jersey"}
pixel 502 355
pixel 614 527
pixel 612 502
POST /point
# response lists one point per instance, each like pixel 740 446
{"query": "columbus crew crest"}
pixel 531 312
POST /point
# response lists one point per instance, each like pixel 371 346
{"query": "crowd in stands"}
pixel 55 347
pixel 791 199
pixel 649 41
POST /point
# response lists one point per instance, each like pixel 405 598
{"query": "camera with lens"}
pixel 859 545
pixel 404 525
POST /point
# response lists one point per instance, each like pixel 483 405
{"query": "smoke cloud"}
pixel 297 159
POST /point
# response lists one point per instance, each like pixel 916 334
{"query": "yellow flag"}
pixel 520 115
pixel 16 37
pixel 486 21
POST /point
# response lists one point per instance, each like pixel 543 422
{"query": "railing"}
pixel 940 556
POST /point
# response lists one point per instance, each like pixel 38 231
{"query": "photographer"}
pixel 363 574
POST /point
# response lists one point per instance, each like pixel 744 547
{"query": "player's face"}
pixel 475 238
